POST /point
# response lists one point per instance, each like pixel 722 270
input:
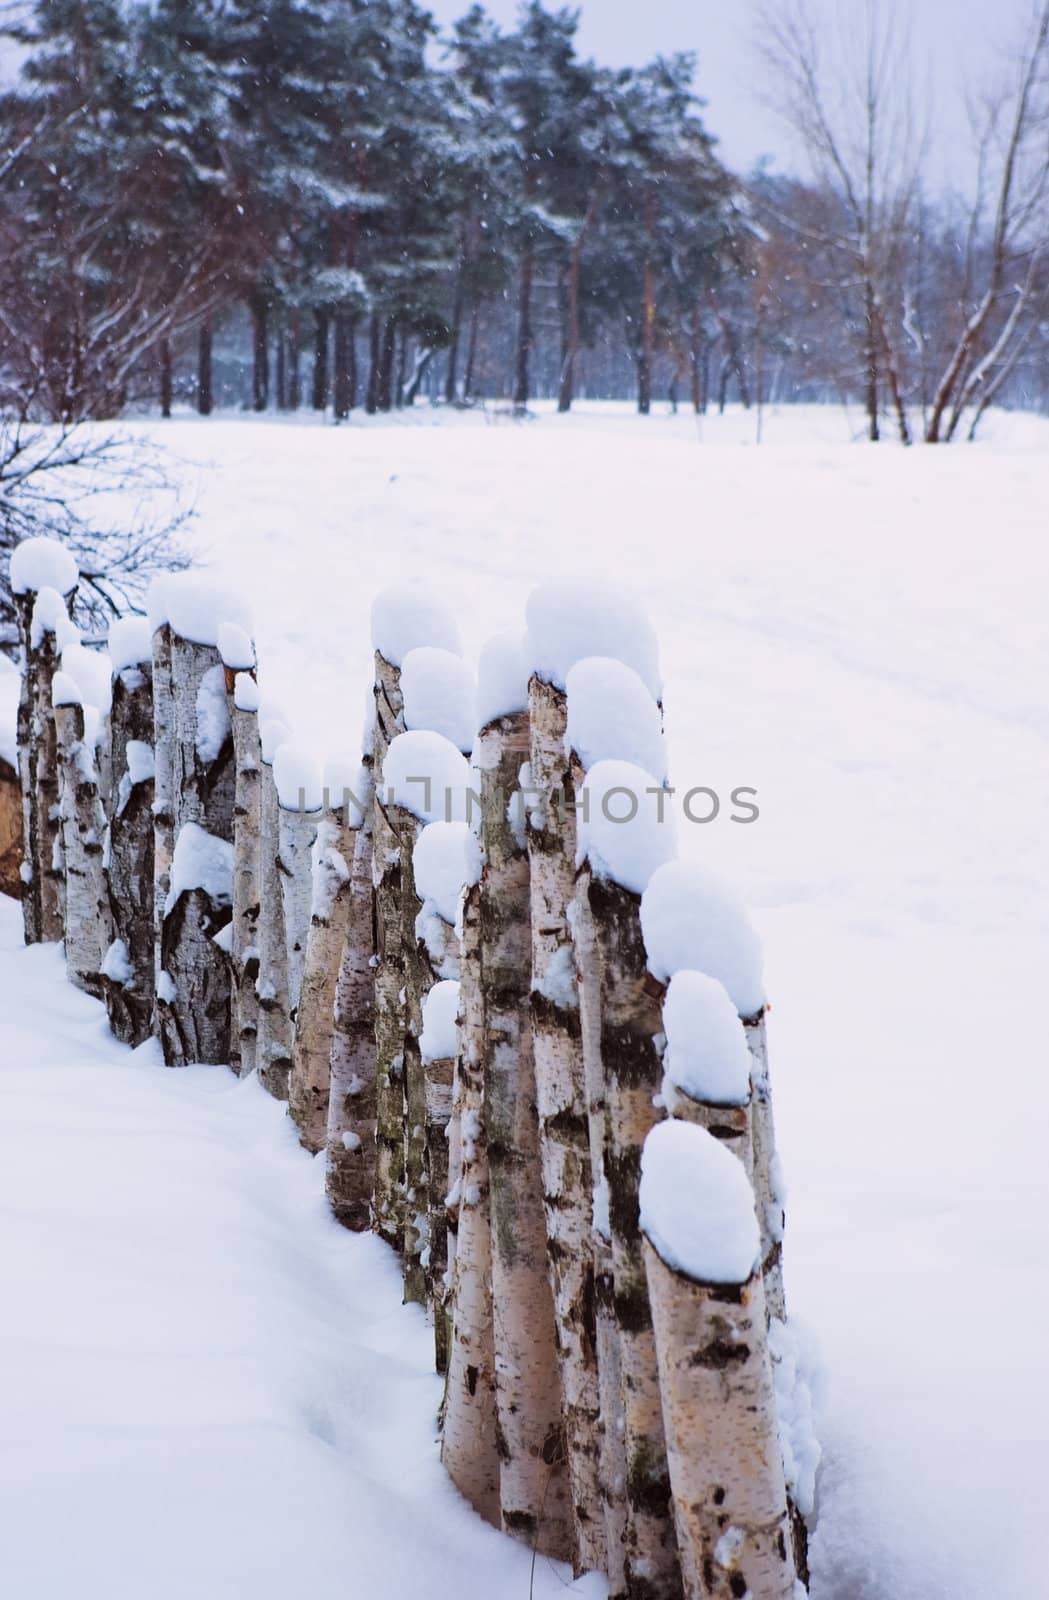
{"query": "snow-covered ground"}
pixel 215 1391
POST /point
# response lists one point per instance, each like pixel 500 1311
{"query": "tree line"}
pixel 330 203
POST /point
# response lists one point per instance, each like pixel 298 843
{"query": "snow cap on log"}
pixel 200 861
pixel 446 859
pixel 65 691
pixel 42 564
pixel 502 677
pixel 245 692
pixel 407 616
pixel 690 917
pixel 130 643
pixel 235 647
pixel 92 671
pixel 612 716
pixel 50 616
pixel 194 608
pixel 623 826
pixel 273 732
pixel 706 1056
pixel 440 1008
pixel 425 774
pixel 297 775
pixel 348 784
pixel 440 694
pixel 697 1206
pixel 571 619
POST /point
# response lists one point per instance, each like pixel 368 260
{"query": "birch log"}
pixel 299 797
pixel 630 1021
pixel 247 888
pixel 768 1187
pixel 193 848
pixel 350 1173
pixel 389 972
pixel 87 920
pixel 612 1450
pixel 418 978
pixel 437 1048
pixel 534 1488
pixel 310 1084
pixel 129 969
pixel 43 624
pixel 708 1308
pixel 274 1039
pixel 706 1064
pixel 564 1127
pixel 469 1447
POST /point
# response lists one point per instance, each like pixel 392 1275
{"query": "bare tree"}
pixel 848 100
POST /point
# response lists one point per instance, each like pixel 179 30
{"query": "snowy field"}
pixel 213 1391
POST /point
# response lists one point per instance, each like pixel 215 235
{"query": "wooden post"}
pixel 350 1173
pixel 193 822
pixel 43 580
pixel 129 967
pixel 534 1487
pixel 274 1039
pixel 708 1309
pixel 87 920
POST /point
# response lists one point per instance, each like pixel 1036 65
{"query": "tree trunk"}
pixel 129 994
pixel 522 381
pixel 384 385
pixel 469 1445
pixel 870 363
pixel 452 370
pixel 371 397
pixel 274 1040
pixel 344 374
pixel 564 1129
pixel 320 360
pixel 296 831
pixel 648 315
pixel 282 370
pixel 389 972
pixel 471 352
pixel 193 849
pixel 205 397
pixel 247 889
pixel 534 1490
pixel 729 1497
pixel 630 1021
pixel 294 364
pixel 38 770
pixel 350 1176
pixel 260 364
pixel 166 378
pixel 88 930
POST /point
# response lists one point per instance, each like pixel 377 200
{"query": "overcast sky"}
pixel 951 40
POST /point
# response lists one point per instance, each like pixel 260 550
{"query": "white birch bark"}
pixel 310 1082
pixel 389 973
pixel 612 1450
pixel 765 1164
pixel 195 781
pixel 534 1487
pixel 247 892
pixel 350 1172
pixel 630 1021
pixel 88 928
pixel 296 832
pixel 562 1101
pixel 469 1441
pixel 730 1502
pixel 274 1038
pixel 130 995
pixel 38 770
pixel 418 978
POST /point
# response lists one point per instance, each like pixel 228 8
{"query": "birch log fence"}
pixel 529 1040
